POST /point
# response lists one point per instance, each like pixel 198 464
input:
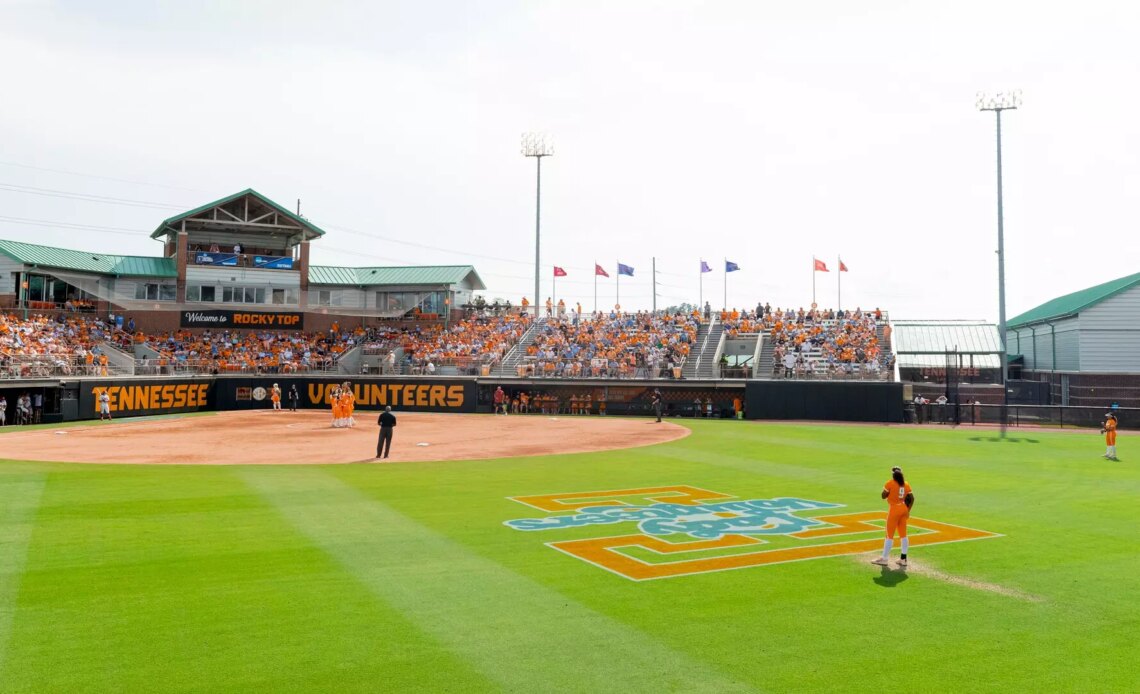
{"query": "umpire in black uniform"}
pixel 657 403
pixel 387 423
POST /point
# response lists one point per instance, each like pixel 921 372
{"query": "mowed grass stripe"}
pixel 218 594
pixel 19 499
pixel 521 634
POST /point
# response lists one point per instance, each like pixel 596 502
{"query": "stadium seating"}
pixel 243 352
pixel 827 344
pixel 611 346
pixel 42 346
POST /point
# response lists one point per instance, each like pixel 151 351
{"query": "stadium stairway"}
pixel 119 363
pixel 349 362
pixel 764 361
pixel 514 357
pixel 702 360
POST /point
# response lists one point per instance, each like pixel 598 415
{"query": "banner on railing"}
pixel 273 262
pixel 222 318
pixel 224 259
pixel 406 395
pixel 149 397
pixel 270 262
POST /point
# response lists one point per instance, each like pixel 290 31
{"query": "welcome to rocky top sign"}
pixel 222 318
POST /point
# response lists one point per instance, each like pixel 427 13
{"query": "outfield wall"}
pixel 137 396
pixel 844 401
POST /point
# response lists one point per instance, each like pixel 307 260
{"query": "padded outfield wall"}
pixel 843 401
pixel 840 401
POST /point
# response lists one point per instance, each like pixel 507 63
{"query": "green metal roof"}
pixel 923 344
pixel 168 224
pixel 83 261
pixel 369 276
pixel 1071 304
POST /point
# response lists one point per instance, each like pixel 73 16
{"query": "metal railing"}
pixel 529 367
pixel 17 367
pixel 191 367
pixel 1060 416
pixel 858 372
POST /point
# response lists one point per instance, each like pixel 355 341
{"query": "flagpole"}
pixel 701 286
pixel 839 279
pixel 553 292
pixel 595 286
pixel 725 306
pixel 617 289
pixel 813 280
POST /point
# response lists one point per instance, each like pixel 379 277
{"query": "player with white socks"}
pixel 1109 431
pixel 900 499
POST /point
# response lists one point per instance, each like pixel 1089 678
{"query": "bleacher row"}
pixel 638 345
pixel 811 344
pixel 611 346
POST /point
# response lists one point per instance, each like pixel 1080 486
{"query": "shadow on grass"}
pixel 1009 439
pixel 889 578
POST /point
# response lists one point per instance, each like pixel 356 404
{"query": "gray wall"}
pixel 1038 352
pixel 1110 334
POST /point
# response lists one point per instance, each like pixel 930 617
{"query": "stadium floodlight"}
pixel 998 102
pixel 537 145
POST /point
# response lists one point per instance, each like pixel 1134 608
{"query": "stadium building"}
pixel 241 262
pixel 1084 345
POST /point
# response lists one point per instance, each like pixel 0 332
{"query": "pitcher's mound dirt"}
pixel 306 437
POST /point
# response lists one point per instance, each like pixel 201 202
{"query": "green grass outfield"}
pixel 403 577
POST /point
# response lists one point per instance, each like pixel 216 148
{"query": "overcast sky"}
pixel 760 132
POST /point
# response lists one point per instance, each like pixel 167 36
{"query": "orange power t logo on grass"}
pixel 682 530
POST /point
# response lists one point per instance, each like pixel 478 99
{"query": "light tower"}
pixel 537 145
pixel 1001 101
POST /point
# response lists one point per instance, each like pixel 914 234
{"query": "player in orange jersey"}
pixel 349 404
pixel 334 400
pixel 275 396
pixel 900 499
pixel 1109 431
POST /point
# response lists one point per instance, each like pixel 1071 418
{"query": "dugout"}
pixel 842 401
pixel 609 397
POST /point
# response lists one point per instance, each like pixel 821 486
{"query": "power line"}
pixel 96 176
pixel 105 199
pixel 70 225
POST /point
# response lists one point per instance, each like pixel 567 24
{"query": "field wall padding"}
pixel 841 401
pixel 135 396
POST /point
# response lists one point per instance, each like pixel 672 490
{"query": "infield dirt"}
pixel 307 437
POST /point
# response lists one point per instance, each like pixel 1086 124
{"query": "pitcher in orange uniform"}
pixel 275 397
pixel 899 500
pixel 1109 431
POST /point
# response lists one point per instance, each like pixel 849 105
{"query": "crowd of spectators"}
pixel 826 343
pixel 611 345
pixel 60 345
pixel 806 343
pixel 250 352
pixel 479 338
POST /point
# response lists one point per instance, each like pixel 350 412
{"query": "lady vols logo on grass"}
pixel 684 530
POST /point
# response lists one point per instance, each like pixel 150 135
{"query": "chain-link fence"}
pixel 1019 415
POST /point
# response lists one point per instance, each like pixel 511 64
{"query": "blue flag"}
pixel 730 266
pixel 625 270
pixel 705 267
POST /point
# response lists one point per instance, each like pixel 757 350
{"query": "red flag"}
pixel 820 267
pixel 598 270
pixel 842 267
pixel 559 272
